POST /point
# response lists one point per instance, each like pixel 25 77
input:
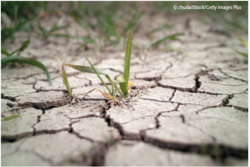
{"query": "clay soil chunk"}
pixel 141 154
pixel 85 108
pixel 232 124
pixel 140 108
pixel 217 84
pixel 14 88
pixel 239 100
pixel 59 85
pixel 184 109
pixel 53 120
pixel 5 108
pixel 149 76
pixel 242 75
pixel 96 129
pixel 45 100
pixel 158 93
pixel 137 125
pixel 46 149
pixel 185 84
pixel 206 121
pixel 19 72
pixel 132 129
pixel 21 126
pixel 172 129
pixel 140 84
pixel 198 98
pixel 23 158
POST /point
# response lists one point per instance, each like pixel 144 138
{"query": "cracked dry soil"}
pixel 191 111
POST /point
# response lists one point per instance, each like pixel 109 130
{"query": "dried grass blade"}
pixel 130 84
pixel 103 93
pixel 241 40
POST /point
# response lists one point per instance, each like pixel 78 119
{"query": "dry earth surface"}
pixel 184 109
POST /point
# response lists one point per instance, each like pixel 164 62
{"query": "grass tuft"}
pixel 123 80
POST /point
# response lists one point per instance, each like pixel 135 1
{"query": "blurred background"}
pixel 110 19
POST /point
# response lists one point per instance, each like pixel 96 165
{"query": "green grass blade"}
pixel 3 51
pixel 7 33
pixel 14 51
pixel 85 69
pixel 62 35
pixel 133 23
pixel 65 81
pixel 165 26
pixel 113 93
pixel 54 26
pixel 88 40
pixel 109 26
pixel 85 39
pixel 94 69
pixel 10 117
pixel 172 37
pixel 233 24
pixel 53 29
pixel 30 61
pixel 24 46
pixel 114 85
pixel 136 46
pixel 20 25
pixel 123 85
pixel 44 33
pixel 77 20
pixel 241 53
pixel 91 70
pixel 126 71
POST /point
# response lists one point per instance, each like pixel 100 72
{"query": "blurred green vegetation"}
pixel 25 9
pixel 110 20
pixel 107 23
pixel 18 14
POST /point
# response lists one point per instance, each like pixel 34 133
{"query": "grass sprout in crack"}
pixel 123 80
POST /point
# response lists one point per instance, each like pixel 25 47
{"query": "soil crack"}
pixel 232 77
pixel 238 108
pixel 8 97
pixel 172 95
pixel 216 151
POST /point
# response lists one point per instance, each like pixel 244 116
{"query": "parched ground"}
pixel 188 108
